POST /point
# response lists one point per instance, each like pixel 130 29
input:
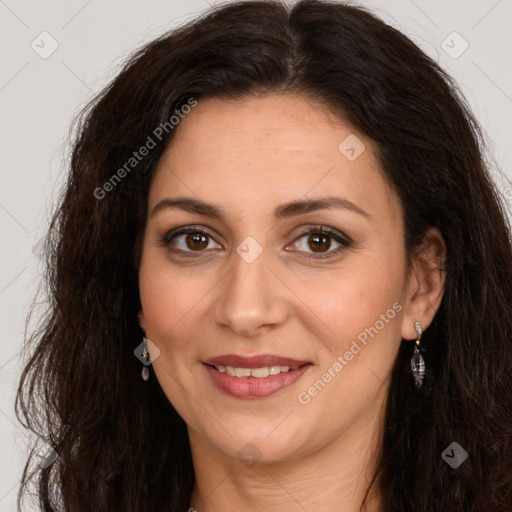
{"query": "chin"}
pixel 264 445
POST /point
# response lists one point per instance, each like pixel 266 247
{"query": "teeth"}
pixel 255 372
pixel 242 372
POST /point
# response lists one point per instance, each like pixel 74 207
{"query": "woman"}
pixel 285 214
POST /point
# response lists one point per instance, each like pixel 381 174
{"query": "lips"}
pixel 242 386
pixel 254 361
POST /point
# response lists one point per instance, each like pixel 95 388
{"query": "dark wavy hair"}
pixel 118 441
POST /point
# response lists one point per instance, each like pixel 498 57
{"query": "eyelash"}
pixel 344 241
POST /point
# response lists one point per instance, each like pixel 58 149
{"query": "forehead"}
pixel 259 150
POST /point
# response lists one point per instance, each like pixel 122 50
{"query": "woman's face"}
pixel 255 278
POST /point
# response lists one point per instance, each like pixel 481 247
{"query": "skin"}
pixel 247 156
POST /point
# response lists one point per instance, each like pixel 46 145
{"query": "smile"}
pixel 259 373
pixel 241 382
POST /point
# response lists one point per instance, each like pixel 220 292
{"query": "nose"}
pixel 252 298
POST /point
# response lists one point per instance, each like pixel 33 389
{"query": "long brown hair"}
pixel 120 445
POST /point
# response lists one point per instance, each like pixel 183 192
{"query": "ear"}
pixel 425 283
pixel 142 321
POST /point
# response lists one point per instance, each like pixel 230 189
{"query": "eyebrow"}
pixel 285 210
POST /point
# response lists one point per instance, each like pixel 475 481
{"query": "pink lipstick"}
pixel 256 376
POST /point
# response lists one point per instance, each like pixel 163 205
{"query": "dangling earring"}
pixel 417 362
pixel 145 355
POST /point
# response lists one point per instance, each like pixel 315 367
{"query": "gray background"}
pixel 39 96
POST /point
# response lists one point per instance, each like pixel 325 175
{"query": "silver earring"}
pixel 417 362
pixel 145 355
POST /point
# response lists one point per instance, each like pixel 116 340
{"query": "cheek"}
pixel 361 307
pixel 363 316
pixel 353 298
pixel 174 302
pixel 171 302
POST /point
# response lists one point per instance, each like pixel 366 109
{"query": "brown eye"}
pixel 319 243
pixel 319 240
pixel 196 241
pixel 188 240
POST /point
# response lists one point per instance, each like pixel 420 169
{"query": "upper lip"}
pixel 260 361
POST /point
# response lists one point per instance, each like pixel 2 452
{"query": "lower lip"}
pixel 254 387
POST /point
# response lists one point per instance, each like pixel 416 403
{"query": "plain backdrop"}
pixel 57 55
